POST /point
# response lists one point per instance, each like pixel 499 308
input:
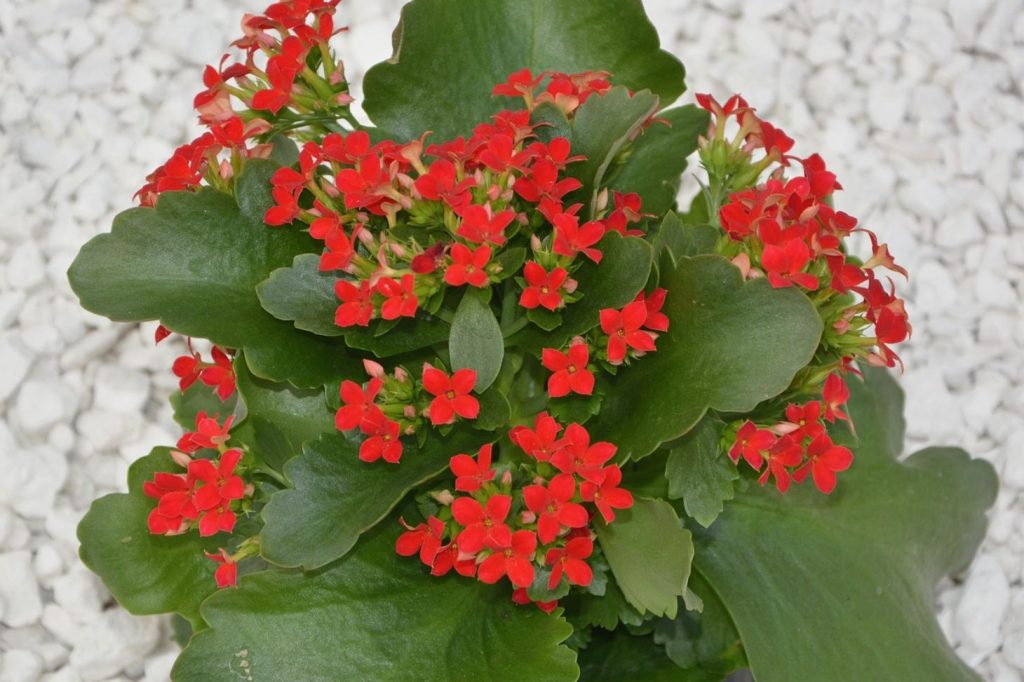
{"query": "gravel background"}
pixel 916 105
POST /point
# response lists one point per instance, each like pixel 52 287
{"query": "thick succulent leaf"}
pixel 335 497
pixel 855 571
pixel 621 275
pixel 699 473
pixel 193 263
pixel 621 656
pixel 303 295
pixel 454 94
pixel 601 127
pixel 649 553
pixel 276 418
pixel 476 341
pixel 706 640
pixel 146 573
pixel 374 616
pixel 731 344
pixel 676 239
pixel 656 161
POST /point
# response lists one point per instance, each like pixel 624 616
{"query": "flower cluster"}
pixel 528 523
pixel 390 406
pixel 288 79
pixel 205 494
pixel 403 222
pixel 786 230
pixel 798 445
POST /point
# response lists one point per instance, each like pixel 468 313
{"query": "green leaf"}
pixel 600 129
pixel 406 336
pixel 676 239
pixel 657 159
pixel 621 275
pixel 730 345
pixel 374 616
pixel 649 553
pixel 496 38
pixel 476 342
pixel 146 573
pixel 335 497
pixel 698 472
pixel 199 398
pixel 193 263
pixel 303 295
pixel 854 571
pixel 705 641
pixel 621 656
pixel 278 418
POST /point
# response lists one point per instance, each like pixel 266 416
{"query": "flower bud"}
pixel 373 368
pixel 180 458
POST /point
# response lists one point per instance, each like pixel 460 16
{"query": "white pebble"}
pixel 982 606
pixel 19 589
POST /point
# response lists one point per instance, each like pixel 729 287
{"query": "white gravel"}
pixel 915 103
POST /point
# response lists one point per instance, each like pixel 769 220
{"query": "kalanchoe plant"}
pixel 482 403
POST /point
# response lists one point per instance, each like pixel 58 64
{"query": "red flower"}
pixel 784 265
pixel 606 494
pixel 624 330
pixel 451 395
pixel 751 443
pixel 346 149
pixel 656 320
pixel 482 526
pixel 472 473
pixel 824 459
pixel 424 539
pixel 541 442
pixel 285 208
pixel 449 557
pixel 480 226
pixel 572 238
pixel 441 183
pixel 383 441
pixel 187 368
pixel 806 418
pixel 356 307
pixel 358 404
pixel 785 452
pixel 208 434
pixel 428 261
pixel 554 507
pixel 367 186
pixel 835 394
pixel 500 154
pixel 161 333
pixel 571 562
pixel 468 266
pixel 514 560
pixel 400 299
pixel 220 374
pixel 519 84
pixel 543 288
pixel 578 456
pixel 281 71
pixel 226 574
pixel 174 495
pixel 541 182
pixel 570 373
pixel 218 487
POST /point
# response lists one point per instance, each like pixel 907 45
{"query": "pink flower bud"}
pixel 602 200
pixel 373 368
pixel 409 411
pixel 570 285
pixel 180 458
pixel 506 478
pixel 535 243
pixel 401 375
pixel 443 497
pixel 526 516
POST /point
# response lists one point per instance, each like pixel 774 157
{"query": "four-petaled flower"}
pixel 451 395
pixel 824 459
pixel 358 404
pixel 625 331
pixel 424 539
pixel 543 288
pixel 554 507
pixel 569 370
pixel 468 266
pixel 751 443
pixel 606 494
pixel 571 562
pixel 471 473
pixel 482 526
pixel 399 298
pixel 514 560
